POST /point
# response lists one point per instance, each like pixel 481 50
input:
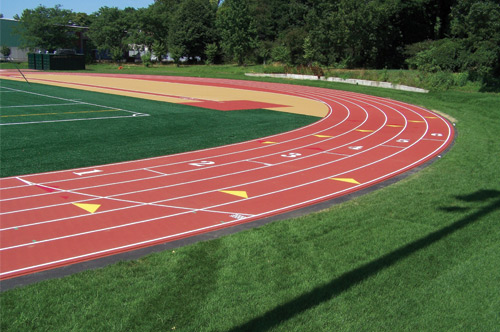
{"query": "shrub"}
pixel 440 55
pixel 146 59
pixel 281 54
pixel 5 51
pixel 211 52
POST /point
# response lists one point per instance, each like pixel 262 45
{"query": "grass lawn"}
pixel 420 255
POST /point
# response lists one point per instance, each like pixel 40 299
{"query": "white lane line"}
pixel 149 189
pixel 194 152
pixel 164 165
pixel 259 162
pixel 288 207
pixel 145 169
pixel 162 201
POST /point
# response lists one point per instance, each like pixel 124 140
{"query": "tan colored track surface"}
pixel 171 92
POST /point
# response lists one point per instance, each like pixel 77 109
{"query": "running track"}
pixel 60 218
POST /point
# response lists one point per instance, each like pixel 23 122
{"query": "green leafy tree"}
pixel 46 28
pixel 150 27
pixel 477 23
pixel 237 30
pixel 108 30
pixel 192 27
pixel 211 52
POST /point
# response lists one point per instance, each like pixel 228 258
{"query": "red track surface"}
pixel 362 141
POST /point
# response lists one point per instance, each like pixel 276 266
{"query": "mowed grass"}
pixel 420 255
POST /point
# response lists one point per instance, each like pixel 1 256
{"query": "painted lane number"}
pixel 291 155
pixel 202 163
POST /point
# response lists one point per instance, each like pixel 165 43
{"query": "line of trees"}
pixel 430 35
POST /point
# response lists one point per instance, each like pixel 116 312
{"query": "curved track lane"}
pixel 60 218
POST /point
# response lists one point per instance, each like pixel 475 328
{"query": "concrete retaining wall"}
pixel 386 85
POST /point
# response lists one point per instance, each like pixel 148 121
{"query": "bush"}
pixel 5 51
pixel 211 52
pixel 281 54
pixel 146 59
pixel 440 55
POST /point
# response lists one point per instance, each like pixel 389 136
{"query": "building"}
pixel 10 39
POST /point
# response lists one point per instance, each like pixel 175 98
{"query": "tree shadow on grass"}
pixel 343 283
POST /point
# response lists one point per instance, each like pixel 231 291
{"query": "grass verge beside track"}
pixel 419 255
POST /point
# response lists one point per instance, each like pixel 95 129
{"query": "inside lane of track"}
pixel 363 139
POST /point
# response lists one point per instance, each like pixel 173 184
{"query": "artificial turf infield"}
pixel 420 255
pixel 169 128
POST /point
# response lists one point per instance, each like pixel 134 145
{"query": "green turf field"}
pixel 420 255
pixel 46 128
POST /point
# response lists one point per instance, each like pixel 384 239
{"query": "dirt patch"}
pixel 446 116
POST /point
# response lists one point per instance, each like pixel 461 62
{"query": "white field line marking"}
pixel 431 139
pixel 112 196
pixel 236 152
pixel 339 154
pixel 205 179
pixel 203 150
pixel 83 216
pixel 88 172
pixel 176 163
pixel 159 239
pixel 94 197
pixel 259 162
pixel 254 197
pixel 73 101
pixel 150 170
pixel 149 189
pixel 71 120
pixel 25 181
pixel 257 216
pixel 44 105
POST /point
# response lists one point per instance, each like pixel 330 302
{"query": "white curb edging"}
pixel 386 85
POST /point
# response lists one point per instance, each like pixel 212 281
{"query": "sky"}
pixel 9 8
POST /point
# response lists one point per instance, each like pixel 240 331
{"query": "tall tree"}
pixel 46 28
pixel 237 29
pixel 108 30
pixel 192 27
pixel 477 23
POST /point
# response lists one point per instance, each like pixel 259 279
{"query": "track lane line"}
pixel 443 143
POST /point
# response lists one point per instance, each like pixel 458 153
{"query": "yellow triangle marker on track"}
pixel 365 130
pixel 235 193
pixel 416 121
pixel 268 142
pixel 395 126
pixel 88 207
pixel 348 180
pixel 322 136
